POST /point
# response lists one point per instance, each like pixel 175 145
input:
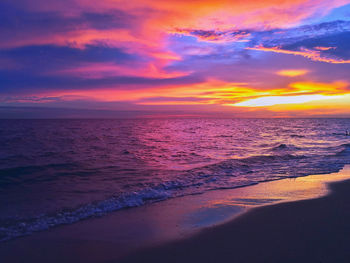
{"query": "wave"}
pixel 285 147
pixel 297 136
pixel 344 150
pixel 226 174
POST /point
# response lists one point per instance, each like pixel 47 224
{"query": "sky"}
pixel 251 58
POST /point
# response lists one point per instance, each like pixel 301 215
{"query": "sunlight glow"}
pixel 276 100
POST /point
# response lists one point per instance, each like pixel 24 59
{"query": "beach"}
pixel 301 219
pixel 306 231
pixel 315 230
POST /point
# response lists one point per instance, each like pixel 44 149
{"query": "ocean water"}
pixel 55 172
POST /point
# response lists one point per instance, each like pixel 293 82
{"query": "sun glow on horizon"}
pixel 279 100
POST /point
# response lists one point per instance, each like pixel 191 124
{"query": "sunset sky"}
pixel 251 58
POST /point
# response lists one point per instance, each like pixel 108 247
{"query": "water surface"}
pixel 56 172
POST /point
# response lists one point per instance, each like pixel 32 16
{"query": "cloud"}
pixel 325 48
pixel 68 65
pixel 215 36
pixel 314 55
pixel 25 27
pixel 292 72
pixel 27 83
pixel 308 87
pixel 323 42
pixel 173 101
pixel 298 93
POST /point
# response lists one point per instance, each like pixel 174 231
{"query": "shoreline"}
pixel 176 224
pixel 313 230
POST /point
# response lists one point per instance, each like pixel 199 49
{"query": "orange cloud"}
pixel 292 72
pixel 334 88
pixel 324 48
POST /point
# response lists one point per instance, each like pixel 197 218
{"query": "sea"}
pixel 56 172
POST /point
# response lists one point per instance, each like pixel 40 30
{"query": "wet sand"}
pixel 291 220
pixel 316 230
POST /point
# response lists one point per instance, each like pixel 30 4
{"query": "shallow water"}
pixel 56 172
